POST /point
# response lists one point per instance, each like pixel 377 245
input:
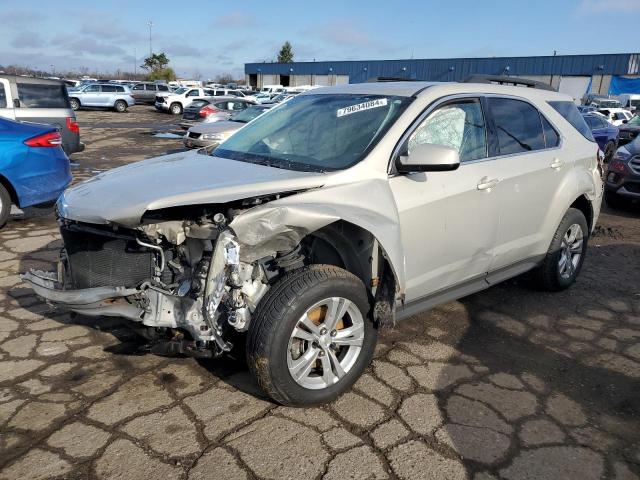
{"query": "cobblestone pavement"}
pixel 509 383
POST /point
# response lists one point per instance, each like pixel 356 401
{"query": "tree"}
pixel 223 78
pixel 156 64
pixel 286 53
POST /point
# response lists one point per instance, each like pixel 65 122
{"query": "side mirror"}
pixel 16 103
pixel 428 157
pixel 625 121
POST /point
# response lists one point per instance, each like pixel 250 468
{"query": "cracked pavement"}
pixel 509 383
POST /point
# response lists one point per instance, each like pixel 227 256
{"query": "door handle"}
pixel 557 164
pixel 487 183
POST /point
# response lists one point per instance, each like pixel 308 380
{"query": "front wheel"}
pixel 175 109
pixel 75 103
pixel 120 106
pixel 311 336
pixel 561 266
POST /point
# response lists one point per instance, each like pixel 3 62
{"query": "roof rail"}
pixel 505 80
pixel 390 79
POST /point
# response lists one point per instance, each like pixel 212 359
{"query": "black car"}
pixel 622 183
pixel 212 109
pixel 629 131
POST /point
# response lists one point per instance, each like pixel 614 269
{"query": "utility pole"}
pixel 150 48
pixel 53 70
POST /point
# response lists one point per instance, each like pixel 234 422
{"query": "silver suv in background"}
pixel 102 95
pixel 145 92
pixel 337 212
pixel 40 100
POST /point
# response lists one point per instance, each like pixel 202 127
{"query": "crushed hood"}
pixel 124 194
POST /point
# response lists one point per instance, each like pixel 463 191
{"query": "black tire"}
pixel 548 275
pixel 120 106
pixel 75 103
pixel 609 151
pixel 175 108
pixel 5 205
pixel 278 314
pixel 615 201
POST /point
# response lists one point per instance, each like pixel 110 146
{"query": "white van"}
pixel 630 101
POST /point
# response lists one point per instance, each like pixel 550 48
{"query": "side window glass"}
pixel 163 88
pixel 3 97
pixel 458 125
pixel 92 88
pixel 150 87
pixel 551 137
pixel 138 87
pixel 109 88
pixel 192 93
pixel 518 126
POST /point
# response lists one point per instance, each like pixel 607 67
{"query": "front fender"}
pixel 281 224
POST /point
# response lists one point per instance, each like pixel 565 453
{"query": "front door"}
pixel 449 219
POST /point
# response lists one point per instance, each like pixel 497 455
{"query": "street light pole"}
pixel 53 70
pixel 150 48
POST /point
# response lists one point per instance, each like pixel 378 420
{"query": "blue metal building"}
pixel 598 69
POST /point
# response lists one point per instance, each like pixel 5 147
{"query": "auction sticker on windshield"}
pixel 378 102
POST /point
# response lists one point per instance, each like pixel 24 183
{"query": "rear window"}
pixel 571 114
pixel 42 95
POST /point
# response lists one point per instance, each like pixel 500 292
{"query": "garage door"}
pixel 322 80
pixel 342 79
pixel 268 79
pixel 574 86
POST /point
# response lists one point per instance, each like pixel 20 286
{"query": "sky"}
pixel 206 38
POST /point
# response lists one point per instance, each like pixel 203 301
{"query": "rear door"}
pixel 91 96
pixel 531 166
pixel 6 100
pixel 149 92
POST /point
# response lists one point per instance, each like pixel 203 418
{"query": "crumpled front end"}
pixel 181 279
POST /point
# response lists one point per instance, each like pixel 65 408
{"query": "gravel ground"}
pixel 509 383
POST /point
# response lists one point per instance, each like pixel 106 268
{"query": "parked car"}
pixel 272 89
pixel 616 116
pixel 145 92
pixel 34 169
pixel 605 103
pixel 605 134
pixel 281 97
pixel 102 95
pixel 212 134
pixel 41 101
pixel 630 101
pixel 175 102
pixel 622 184
pixel 329 216
pixel 586 109
pixel 211 109
pixel 264 97
pixel 629 130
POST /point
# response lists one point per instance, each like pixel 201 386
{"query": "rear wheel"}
pixel 311 336
pixel 120 106
pixel 565 256
pixel 175 108
pixel 75 103
pixel 5 205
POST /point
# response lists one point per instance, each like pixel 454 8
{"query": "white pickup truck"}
pixel 174 102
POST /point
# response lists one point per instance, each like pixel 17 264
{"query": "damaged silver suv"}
pixel 333 214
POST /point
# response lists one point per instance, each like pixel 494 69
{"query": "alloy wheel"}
pixel 325 343
pixel 571 251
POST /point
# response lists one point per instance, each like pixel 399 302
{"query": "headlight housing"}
pixel 215 136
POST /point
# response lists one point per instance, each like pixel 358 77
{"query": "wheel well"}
pixel 346 245
pixel 12 193
pixel 583 204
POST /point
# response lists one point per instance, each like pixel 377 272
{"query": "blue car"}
pixel 34 169
pixel 605 133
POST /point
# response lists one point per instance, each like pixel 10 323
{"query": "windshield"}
pixel 315 132
pixel 248 114
pixel 180 90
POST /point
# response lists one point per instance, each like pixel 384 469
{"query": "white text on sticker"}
pixel 379 102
